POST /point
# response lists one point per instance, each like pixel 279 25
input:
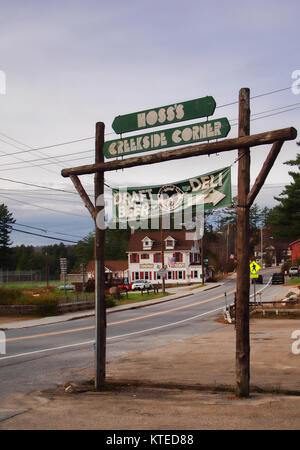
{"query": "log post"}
pixel 100 337
pixel 243 283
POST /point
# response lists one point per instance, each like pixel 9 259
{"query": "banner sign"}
pixel 164 115
pixel 211 190
pixel 171 137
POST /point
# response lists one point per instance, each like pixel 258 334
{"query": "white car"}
pixel 141 284
pixel 293 272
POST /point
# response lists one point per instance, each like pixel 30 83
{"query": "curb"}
pixel 63 318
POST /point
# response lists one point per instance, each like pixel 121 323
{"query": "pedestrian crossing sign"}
pixel 254 267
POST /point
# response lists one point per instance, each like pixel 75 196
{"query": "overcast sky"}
pixel 69 64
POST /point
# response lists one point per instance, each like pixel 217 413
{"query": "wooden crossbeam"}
pixel 84 196
pixel 284 134
pixel 267 166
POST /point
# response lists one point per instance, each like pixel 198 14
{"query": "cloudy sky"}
pixel 69 64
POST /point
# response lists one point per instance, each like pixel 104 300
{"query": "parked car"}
pixel 67 287
pixel 259 280
pixel 293 272
pixel 141 284
pixel 278 278
pixel 125 286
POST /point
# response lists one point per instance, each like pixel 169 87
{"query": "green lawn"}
pixel 138 297
pixel 295 280
pixel 27 285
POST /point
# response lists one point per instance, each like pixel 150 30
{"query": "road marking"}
pixel 167 325
pixel 53 333
pixel 113 337
pixel 46 350
pixel 134 332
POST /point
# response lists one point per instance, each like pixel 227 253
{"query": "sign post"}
pixel 63 270
pixel 254 268
pixel 99 263
pixel 245 200
pixel 242 282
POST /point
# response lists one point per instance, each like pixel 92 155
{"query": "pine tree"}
pixel 285 217
pixel 6 221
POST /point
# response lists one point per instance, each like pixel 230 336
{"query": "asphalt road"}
pixel 40 357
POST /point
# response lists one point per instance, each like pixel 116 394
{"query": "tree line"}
pixel 283 222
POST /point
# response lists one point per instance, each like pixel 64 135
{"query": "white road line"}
pixel 167 325
pixel 124 335
pixel 112 337
pixel 46 350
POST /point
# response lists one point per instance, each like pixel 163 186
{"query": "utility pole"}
pixel 261 246
pixel 99 262
pixel 227 243
pixel 47 272
pixel 202 258
pixel 162 253
pixel 243 284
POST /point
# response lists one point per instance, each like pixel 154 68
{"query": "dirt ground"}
pixel 184 385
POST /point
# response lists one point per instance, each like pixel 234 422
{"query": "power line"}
pixel 16 157
pixel 32 149
pixel 41 207
pixel 47 231
pixel 45 164
pixel 50 157
pixel 47 237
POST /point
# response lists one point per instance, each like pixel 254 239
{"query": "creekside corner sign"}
pixel 164 115
pixel 212 190
pixel 171 137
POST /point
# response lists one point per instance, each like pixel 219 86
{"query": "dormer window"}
pixel 147 243
pixel 170 243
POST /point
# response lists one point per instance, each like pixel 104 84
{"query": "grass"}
pixel 137 297
pixel 197 286
pixel 293 281
pixel 28 285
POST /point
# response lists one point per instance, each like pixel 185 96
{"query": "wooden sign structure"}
pixel 246 198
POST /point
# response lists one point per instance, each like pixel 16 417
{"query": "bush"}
pixel 46 304
pixel 12 297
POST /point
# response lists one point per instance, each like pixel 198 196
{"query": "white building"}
pixel 181 257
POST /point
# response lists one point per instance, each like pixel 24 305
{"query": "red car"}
pixel 125 286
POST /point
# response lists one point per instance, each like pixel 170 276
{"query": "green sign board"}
pixel 164 115
pixel 211 190
pixel 171 137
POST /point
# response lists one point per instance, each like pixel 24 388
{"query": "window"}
pixel 180 275
pixel 169 275
pixel 146 275
pixel 145 256
pixel 157 257
pixel 178 257
pixel 170 243
pixel 147 243
pixel 134 258
pixel 195 273
pixel 137 276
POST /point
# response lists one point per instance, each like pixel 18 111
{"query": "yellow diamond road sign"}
pixel 254 267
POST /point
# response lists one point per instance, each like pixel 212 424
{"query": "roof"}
pixel 295 242
pixel 181 243
pixel 114 266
